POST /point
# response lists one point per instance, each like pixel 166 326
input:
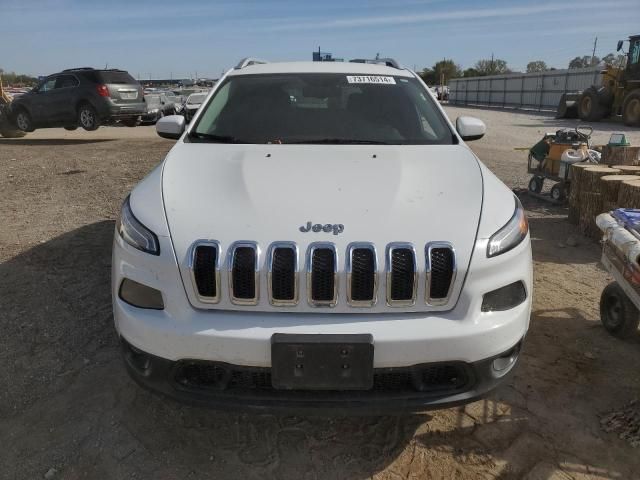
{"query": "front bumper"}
pixel 396 390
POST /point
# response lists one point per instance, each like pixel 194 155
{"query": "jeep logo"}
pixel 336 228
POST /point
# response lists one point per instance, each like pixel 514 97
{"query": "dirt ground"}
pixel 68 409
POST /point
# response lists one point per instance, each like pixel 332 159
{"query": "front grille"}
pixel 283 269
pixel 204 260
pixel 436 277
pixel 441 267
pixel 322 276
pixel 243 277
pixel 401 277
pixel 361 275
pixel 216 377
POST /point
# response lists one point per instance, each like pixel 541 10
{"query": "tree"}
pixel 12 78
pixel 444 70
pixel 491 66
pixel 536 66
pixel 583 62
pixel 470 72
pixel 428 76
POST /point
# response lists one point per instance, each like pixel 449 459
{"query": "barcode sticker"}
pixel 371 79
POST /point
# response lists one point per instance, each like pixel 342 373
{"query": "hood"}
pixel 380 194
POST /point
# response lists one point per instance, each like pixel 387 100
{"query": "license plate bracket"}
pixel 322 362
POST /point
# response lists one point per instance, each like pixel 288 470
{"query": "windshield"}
pixel 152 100
pixel 113 76
pixel 196 99
pixel 322 108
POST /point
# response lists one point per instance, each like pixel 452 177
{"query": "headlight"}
pixel 134 233
pixel 511 234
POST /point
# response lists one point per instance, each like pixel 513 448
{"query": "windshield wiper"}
pixel 339 141
pixel 216 138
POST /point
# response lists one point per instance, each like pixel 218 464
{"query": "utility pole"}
pixel 595 42
pixel 491 68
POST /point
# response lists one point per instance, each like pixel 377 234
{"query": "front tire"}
pixel 618 314
pixel 557 193
pixel 535 184
pixel 23 121
pixel 631 109
pixel 88 118
pixel 589 108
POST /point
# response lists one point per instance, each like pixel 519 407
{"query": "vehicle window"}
pixel 116 77
pixel 152 101
pixel 196 99
pixel 634 53
pixel 66 81
pixel 47 85
pixel 216 105
pixel 322 108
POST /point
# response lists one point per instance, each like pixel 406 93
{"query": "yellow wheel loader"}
pixel 7 130
pixel 619 93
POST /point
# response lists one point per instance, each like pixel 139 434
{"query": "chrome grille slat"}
pixel 441 272
pixel 362 275
pixel 244 279
pixel 401 275
pixel 204 264
pixel 322 275
pixel 282 278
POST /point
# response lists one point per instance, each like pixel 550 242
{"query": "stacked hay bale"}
pixel 574 192
pixel 629 194
pixel 590 198
pixel 610 188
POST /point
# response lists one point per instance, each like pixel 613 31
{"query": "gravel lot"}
pixel 68 409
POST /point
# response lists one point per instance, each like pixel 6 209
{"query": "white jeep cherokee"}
pixel 321 237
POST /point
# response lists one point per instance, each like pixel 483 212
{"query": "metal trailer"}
pixel 534 91
pixel 620 300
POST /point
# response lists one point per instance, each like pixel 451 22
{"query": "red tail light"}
pixel 103 91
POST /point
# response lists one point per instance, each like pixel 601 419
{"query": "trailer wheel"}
pixel 535 184
pixel 631 109
pixel 557 192
pixel 589 107
pixel 618 314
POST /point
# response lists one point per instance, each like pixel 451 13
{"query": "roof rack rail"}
pixel 389 62
pixel 245 62
pixel 78 68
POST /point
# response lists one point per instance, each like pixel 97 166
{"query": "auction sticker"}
pixel 371 79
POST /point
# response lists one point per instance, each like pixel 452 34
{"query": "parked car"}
pixel 192 104
pixel 158 105
pixel 83 97
pixel 346 251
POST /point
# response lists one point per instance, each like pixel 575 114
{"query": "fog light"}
pixel 503 364
pixel 504 298
pixel 140 295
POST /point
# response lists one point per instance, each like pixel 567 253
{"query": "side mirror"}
pixel 470 128
pixel 619 47
pixel 171 126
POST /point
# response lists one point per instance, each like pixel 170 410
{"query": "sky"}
pixel 185 38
